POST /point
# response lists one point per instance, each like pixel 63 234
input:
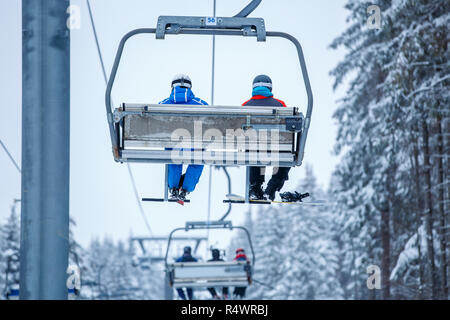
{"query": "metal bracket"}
pixel 174 24
pixel 208 225
pixel 118 115
pixel 248 124
pixel 279 127
pixel 294 124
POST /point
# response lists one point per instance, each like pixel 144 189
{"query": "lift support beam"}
pixel 44 236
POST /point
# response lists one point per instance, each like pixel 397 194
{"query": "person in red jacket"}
pixel 262 96
pixel 239 292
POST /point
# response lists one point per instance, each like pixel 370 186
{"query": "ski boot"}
pixel 270 193
pixel 182 196
pixel 256 193
pixel 293 196
pixel 174 194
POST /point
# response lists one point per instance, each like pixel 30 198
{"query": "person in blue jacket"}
pixel 186 257
pixel 181 185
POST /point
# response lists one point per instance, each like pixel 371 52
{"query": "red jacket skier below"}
pixel 239 292
pixel 240 255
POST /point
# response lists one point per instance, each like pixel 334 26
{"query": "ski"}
pixel 233 198
pixel 162 200
pixel 309 203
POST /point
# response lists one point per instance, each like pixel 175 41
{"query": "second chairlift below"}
pixel 188 292
pixel 186 272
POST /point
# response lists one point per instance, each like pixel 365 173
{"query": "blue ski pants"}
pixel 191 177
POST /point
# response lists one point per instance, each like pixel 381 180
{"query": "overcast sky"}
pixel 102 201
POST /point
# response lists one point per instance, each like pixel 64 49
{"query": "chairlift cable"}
pixel 102 64
pixel 263 284
pixel 10 156
pixel 138 200
pixel 213 67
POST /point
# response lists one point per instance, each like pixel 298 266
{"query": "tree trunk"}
pixel 429 208
pixel 385 260
pixel 442 217
pixel 419 209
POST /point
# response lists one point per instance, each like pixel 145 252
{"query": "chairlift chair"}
pixel 230 135
pixel 210 274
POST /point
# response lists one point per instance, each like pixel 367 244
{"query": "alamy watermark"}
pixel 236 146
pixel 74 19
pixel 374 279
pixel 374 19
pixel 74 279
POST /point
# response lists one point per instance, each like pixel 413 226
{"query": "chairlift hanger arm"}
pixel 168 245
pixel 229 192
pixel 249 8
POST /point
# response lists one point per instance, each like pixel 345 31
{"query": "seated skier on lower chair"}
pixel 216 257
pixel 186 257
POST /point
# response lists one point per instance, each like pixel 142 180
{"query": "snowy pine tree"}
pixel 296 254
pixel 390 135
pixel 269 230
pixel 10 255
pixel 311 259
pixel 112 275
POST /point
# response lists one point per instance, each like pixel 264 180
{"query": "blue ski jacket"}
pixel 181 95
pixel 186 258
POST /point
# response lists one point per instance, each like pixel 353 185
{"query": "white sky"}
pixel 101 197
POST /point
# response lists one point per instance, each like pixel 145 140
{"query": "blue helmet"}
pixel 187 250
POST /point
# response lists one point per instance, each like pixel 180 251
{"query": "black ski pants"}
pixel 279 176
